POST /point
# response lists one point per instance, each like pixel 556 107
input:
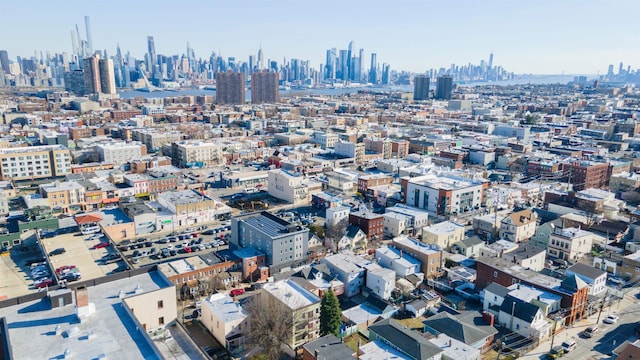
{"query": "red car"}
pixel 236 292
pixel 188 249
pixel 43 283
pixel 64 268
pixel 101 245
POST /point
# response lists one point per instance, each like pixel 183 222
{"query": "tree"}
pixel 271 326
pixel 330 314
pixel 336 231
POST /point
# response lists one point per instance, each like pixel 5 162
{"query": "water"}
pixel 523 79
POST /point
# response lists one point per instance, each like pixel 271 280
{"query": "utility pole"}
pixel 553 334
pixel 602 306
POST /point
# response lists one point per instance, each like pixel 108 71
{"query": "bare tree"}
pixel 336 231
pixel 271 326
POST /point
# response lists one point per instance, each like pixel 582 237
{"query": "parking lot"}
pixel 79 252
pixel 146 251
pixel 15 275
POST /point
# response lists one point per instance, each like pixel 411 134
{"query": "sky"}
pixel 525 36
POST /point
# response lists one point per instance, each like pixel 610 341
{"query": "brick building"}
pixel 370 223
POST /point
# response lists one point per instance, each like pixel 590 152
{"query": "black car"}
pixel 148 244
pixel 208 232
pixel 70 276
pixel 57 251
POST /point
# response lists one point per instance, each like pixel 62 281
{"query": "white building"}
pixel 380 281
pixel 393 258
pixel 196 153
pixel 443 234
pixel 226 320
pixel 417 219
pixel 34 162
pixel 325 140
pixel 595 278
pixel 569 243
pixel 119 153
pixel 349 269
pixel 444 194
pixel 395 224
pixel 519 226
pixel 336 214
pixel 292 187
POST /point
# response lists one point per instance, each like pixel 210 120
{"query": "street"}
pixel 601 345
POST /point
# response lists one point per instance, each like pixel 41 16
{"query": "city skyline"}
pixel 414 36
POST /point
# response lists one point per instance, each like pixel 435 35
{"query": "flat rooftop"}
pixel 291 294
pixel 443 228
pixel 225 308
pixel 116 334
pixel 183 197
pixel 268 223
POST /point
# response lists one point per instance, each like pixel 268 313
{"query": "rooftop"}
pixel 416 245
pixel 183 197
pixel 443 228
pixel 225 308
pixel 291 294
pixel 270 224
pixel 116 334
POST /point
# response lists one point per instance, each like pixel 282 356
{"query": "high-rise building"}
pixel 260 59
pixel 74 82
pixel 350 67
pixel 230 88
pixel 89 41
pixel 373 74
pixel 107 76
pixel 4 61
pixel 92 75
pixel 264 87
pixel 444 87
pixel 151 47
pixel 421 87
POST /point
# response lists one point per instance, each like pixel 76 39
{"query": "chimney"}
pixel 316 353
pixel 489 318
pixel 401 253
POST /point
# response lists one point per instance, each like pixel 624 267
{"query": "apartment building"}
pixel 569 244
pixel 292 187
pixel 301 305
pixel 443 234
pixel 283 243
pixel 155 139
pixel 196 154
pixel 370 223
pixel 443 194
pixel 63 195
pixel 429 255
pixel 34 162
pixel 226 320
pixel 120 152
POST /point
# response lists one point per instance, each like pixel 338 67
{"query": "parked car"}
pixel 163 241
pixel 590 331
pixel 616 281
pixel 237 292
pixel 555 352
pixel 42 283
pixel 57 251
pixel 101 245
pixel 568 345
pixel 111 256
pixel 135 254
pixel 64 268
pixel 71 276
pixel 610 319
pixel 187 249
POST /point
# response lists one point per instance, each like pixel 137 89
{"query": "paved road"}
pixel 609 337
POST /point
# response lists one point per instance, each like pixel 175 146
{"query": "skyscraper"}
pixel 230 88
pixel 490 60
pixel 89 41
pixel 264 87
pixel 4 61
pixel 151 47
pixel 444 87
pixel 107 76
pixel 260 59
pixel 373 72
pixel 92 75
pixel 350 53
pixel 421 87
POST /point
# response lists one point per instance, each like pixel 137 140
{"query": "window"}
pixel 495 274
pixel 161 321
pixel 160 304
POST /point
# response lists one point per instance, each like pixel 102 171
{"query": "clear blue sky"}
pixel 526 36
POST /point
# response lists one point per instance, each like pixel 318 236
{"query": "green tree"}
pixel 330 314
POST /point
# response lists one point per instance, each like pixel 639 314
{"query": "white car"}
pixel 610 319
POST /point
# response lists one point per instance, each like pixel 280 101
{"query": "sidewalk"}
pixel 572 331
